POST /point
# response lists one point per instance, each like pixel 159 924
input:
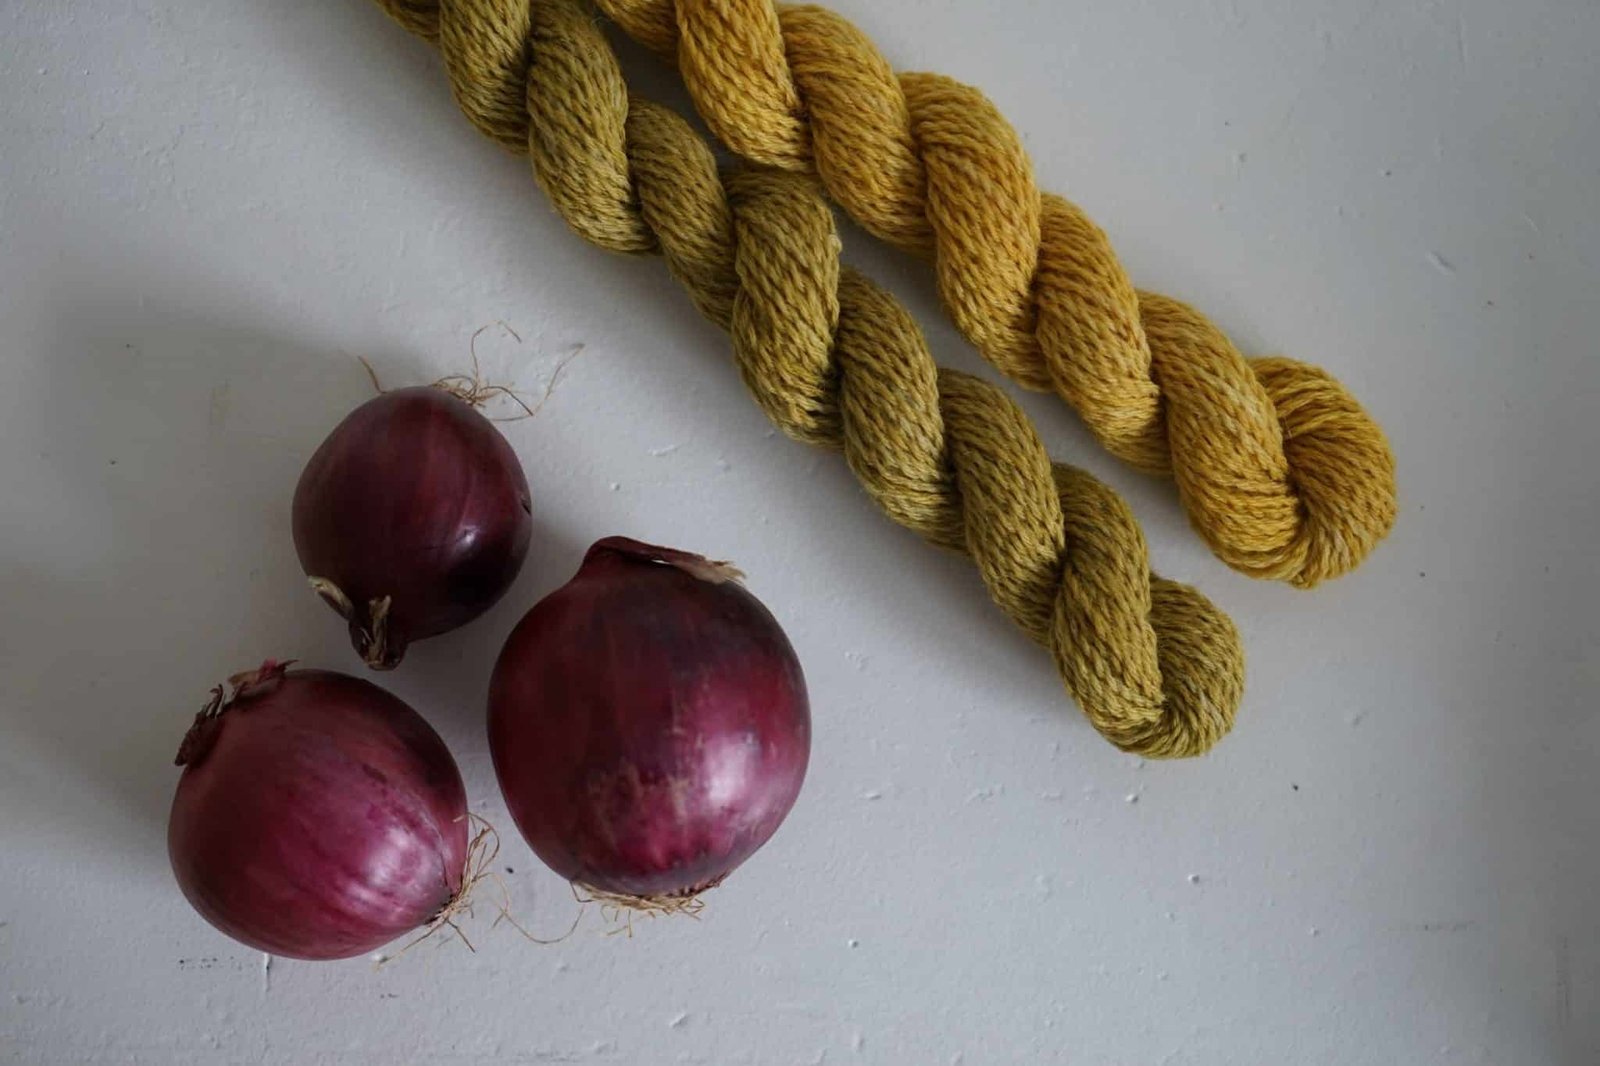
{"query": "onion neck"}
pixel 371 633
pixel 245 686
pixel 712 571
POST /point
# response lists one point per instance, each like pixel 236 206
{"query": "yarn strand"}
pixel 1278 467
pixel 835 361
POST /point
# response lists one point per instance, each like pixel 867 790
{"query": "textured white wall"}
pixel 206 212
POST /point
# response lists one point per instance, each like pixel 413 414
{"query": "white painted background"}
pixel 207 211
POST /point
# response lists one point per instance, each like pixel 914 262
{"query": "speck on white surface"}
pixel 208 211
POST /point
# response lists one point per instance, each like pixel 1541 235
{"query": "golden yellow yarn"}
pixel 835 361
pixel 1281 471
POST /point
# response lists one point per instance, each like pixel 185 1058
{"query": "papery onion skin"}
pixel 412 518
pixel 649 723
pixel 318 816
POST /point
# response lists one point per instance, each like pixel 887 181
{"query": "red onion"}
pixel 649 723
pixel 411 519
pixel 318 817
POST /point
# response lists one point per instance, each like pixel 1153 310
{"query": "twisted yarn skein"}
pixel 1279 468
pixel 836 361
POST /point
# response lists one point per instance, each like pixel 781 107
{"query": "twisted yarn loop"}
pixel 835 361
pixel 1280 470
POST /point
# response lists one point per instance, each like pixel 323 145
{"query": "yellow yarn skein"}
pixel 1279 468
pixel 836 361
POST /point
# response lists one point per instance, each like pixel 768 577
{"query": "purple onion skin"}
pixel 318 817
pixel 417 497
pixel 649 723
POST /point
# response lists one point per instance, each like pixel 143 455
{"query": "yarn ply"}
pixel 1279 468
pixel 836 361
